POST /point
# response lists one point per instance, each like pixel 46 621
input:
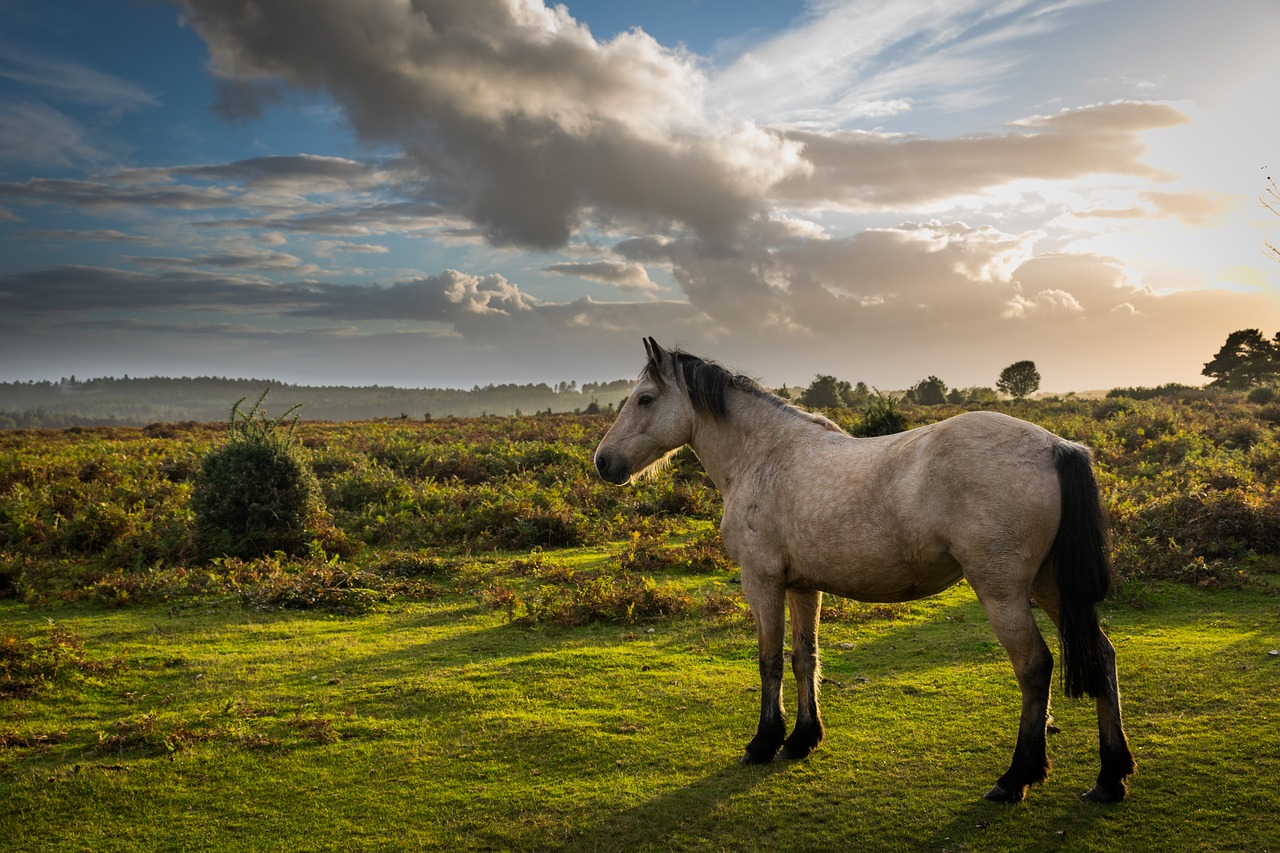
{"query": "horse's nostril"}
pixel 611 470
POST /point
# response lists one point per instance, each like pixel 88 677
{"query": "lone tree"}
pixel 1019 379
pixel 1246 360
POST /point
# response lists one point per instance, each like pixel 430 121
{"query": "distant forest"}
pixel 139 402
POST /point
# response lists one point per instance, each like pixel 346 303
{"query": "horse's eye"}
pixel 644 401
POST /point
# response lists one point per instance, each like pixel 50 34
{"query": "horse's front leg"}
pixel 806 607
pixel 766 597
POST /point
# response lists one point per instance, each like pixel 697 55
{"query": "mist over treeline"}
pixel 140 401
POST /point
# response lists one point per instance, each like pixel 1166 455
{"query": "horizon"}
pixel 577 386
pixel 505 192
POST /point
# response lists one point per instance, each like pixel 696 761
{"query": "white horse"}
pixel 1006 505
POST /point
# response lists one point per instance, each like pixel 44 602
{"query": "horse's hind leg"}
pixel 768 607
pixel 1015 626
pixel 806 607
pixel 1113 745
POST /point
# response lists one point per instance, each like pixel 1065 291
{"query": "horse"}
pixel 1006 505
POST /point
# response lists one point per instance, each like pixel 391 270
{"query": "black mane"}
pixel 708 383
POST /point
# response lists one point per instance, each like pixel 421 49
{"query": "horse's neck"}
pixel 731 448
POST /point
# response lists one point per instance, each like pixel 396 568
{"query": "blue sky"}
pixel 447 193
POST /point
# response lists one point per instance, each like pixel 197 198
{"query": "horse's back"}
pixel 903 516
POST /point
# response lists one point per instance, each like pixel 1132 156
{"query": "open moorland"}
pixel 482 646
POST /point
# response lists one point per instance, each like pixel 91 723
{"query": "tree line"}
pixel 1018 380
pixel 140 401
pixel 1248 360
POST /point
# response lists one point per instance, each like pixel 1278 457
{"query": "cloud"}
pixel 301 174
pixel 887 306
pixel 858 59
pixel 122 190
pixel 1190 208
pixel 104 235
pixel 451 296
pixel 624 276
pixel 232 286
pixel 251 261
pixel 276 185
pixel 326 248
pixel 867 171
pixel 524 122
pixel 71 81
pixel 36 134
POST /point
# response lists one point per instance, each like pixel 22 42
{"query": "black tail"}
pixel 1081 554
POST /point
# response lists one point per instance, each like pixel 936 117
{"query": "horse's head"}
pixel 655 421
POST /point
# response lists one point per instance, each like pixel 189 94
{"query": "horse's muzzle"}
pixel 613 469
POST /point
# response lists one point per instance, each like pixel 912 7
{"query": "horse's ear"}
pixel 656 353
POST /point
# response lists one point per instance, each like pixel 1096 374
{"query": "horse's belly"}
pixel 874 581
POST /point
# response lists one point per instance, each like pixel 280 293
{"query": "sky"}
pixel 448 193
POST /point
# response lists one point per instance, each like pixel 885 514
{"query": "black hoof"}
pixel 750 757
pixel 1100 793
pixel 795 752
pixel 1000 795
pixel 803 741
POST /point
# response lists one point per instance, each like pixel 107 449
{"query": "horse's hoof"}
pixel 793 753
pixel 1000 795
pixel 750 757
pixel 1099 794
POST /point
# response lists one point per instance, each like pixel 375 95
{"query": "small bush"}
pixel 29 666
pixel 629 598
pixel 882 416
pixel 1262 395
pixel 149 734
pixel 256 494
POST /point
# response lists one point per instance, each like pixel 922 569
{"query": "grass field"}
pixel 444 726
pixel 483 647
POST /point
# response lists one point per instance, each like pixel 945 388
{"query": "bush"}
pixel 256 494
pixel 1262 395
pixel 882 416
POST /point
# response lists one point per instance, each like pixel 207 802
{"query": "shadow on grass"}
pixel 678 818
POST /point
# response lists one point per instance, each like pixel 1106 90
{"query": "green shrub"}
pixel 882 416
pixel 256 494
pixel 1262 395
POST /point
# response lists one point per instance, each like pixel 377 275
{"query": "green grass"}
pixel 486 647
pixel 441 725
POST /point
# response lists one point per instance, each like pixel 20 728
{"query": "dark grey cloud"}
pixel 80 291
pixel 524 122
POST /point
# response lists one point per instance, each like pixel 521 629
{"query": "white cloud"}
pixel 327 248
pixel 71 81
pixel 626 277
pixel 36 134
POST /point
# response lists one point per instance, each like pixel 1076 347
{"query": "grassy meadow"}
pixel 484 647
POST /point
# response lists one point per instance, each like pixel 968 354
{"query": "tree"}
pixel 1019 379
pixel 1246 360
pixel 827 392
pixel 929 392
